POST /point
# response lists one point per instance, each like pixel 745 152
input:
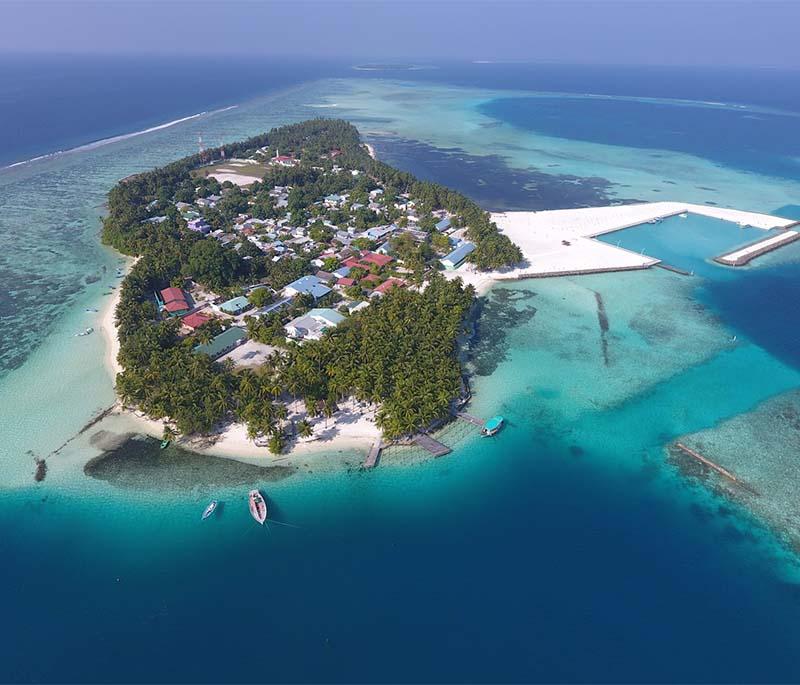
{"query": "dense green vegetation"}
pixel 399 353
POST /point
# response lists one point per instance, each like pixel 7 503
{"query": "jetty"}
pixel 469 418
pixel 746 254
pixel 715 467
pixel 674 269
pixel 436 448
pixel 374 455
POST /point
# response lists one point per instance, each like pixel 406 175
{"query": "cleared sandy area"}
pixel 234 177
pixel 562 241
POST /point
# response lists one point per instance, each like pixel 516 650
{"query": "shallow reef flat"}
pixel 762 449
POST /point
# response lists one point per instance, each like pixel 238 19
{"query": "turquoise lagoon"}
pixel 566 548
pixel 688 242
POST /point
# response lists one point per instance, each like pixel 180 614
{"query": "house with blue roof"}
pixel 307 285
pixel 444 224
pixel 456 257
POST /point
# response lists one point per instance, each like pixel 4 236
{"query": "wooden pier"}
pixel 436 448
pixel 469 418
pixel 715 467
pixel 374 455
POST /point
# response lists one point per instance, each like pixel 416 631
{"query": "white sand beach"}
pixel 351 428
pixel 561 241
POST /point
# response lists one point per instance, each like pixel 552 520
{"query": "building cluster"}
pixel 348 241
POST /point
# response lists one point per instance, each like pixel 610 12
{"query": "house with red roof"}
pixel 194 320
pixel 367 260
pixel 174 301
pixel 375 258
pixel 370 280
pixel 345 282
pixel 388 284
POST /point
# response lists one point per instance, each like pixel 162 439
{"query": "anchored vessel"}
pixel 210 509
pixel 492 426
pixel 258 507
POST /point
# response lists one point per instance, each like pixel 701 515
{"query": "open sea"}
pixel 574 546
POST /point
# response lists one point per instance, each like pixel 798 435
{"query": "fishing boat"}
pixel 210 509
pixel 258 507
pixel 492 426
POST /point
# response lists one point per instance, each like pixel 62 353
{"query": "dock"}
pixel 436 448
pixel 469 418
pixel 746 254
pixel 715 467
pixel 374 455
pixel 674 269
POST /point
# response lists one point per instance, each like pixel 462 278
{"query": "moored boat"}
pixel 165 444
pixel 258 507
pixel 210 509
pixel 492 426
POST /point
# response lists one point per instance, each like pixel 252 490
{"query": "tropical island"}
pixel 279 278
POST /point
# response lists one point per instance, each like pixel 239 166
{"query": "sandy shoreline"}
pixel 350 429
pixel 541 237
pixel 562 241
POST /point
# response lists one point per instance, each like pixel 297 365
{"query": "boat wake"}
pixel 116 139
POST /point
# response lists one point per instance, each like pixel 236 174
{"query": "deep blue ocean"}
pixel 563 550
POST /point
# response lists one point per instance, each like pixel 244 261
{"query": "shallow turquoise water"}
pixel 566 548
pixel 689 243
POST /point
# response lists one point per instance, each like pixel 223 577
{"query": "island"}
pixel 280 280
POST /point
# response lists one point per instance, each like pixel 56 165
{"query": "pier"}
pixel 469 418
pixel 374 455
pixel 746 254
pixel 674 269
pixel 715 467
pixel 436 448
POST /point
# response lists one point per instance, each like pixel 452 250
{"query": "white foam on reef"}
pixel 116 139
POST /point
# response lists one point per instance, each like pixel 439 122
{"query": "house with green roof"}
pixel 236 306
pixel 223 343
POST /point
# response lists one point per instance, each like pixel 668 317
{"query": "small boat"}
pixel 88 331
pixel 165 444
pixel 91 309
pixel 258 507
pixel 492 426
pixel 210 509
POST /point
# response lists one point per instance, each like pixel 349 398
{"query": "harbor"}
pixel 746 254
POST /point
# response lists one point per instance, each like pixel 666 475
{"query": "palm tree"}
pixel 305 429
pixel 276 444
pixel 204 335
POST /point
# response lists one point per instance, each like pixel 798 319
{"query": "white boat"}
pixel 88 331
pixel 210 509
pixel 258 507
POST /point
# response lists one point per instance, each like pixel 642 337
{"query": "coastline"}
pixel 563 241
pixel 350 429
